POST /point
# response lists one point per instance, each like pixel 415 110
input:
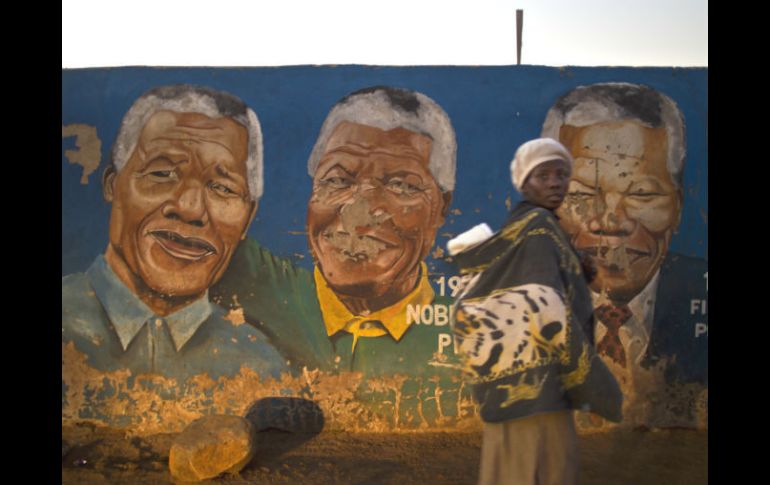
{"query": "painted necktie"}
pixel 613 317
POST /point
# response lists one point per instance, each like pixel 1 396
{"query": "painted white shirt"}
pixel 635 333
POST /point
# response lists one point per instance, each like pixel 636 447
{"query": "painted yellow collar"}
pixel 337 317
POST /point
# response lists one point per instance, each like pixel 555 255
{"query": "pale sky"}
pixel 100 33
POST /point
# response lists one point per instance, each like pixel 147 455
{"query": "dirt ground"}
pixel 659 457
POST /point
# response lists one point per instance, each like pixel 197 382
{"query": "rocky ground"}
pixel 660 457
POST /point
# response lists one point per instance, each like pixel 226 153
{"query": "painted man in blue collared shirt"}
pixel 184 184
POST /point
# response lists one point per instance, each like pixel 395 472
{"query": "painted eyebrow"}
pixel 581 182
pixel 160 158
pixel 222 171
pixel 339 166
pixel 652 181
pixel 403 173
pixel 589 156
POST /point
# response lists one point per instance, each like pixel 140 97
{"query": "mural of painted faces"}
pixel 622 204
pixel 181 203
pixel 374 211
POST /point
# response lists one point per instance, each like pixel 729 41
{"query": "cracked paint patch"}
pixel 438 253
pixel 236 316
pixel 649 401
pixel 150 403
pixel 350 243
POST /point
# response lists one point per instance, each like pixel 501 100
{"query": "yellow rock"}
pixel 210 446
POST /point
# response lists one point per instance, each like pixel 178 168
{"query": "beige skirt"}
pixel 536 450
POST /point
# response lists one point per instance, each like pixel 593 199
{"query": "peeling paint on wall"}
pixel 149 403
pixel 88 154
pixel 236 316
pixel 649 400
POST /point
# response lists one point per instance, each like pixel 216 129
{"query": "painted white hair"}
pixel 388 108
pixel 603 102
pixel 185 98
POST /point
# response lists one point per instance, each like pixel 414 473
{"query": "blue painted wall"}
pixel 493 110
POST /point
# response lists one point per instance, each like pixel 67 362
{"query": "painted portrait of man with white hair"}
pixel 622 209
pixel 184 183
pixel 383 173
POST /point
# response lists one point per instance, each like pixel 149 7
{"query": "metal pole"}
pixel 519 28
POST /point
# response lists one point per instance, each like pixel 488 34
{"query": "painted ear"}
pixel 447 198
pixel 252 213
pixel 567 134
pixel 108 182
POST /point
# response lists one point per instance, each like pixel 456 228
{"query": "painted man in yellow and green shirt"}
pixel 383 170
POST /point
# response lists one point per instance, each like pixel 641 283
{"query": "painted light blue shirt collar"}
pixel 128 313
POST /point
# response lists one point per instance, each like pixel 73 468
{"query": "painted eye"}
pixel 579 194
pixel 644 195
pixel 338 182
pixel 222 190
pixel 402 187
pixel 163 175
pixel 580 191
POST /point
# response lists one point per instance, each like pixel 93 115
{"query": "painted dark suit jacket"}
pixel 674 326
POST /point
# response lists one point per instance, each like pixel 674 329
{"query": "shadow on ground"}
pixel 99 455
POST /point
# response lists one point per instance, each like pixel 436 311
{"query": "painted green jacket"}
pixel 410 383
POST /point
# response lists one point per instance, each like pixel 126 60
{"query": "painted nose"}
pixel 189 205
pixel 366 209
pixel 367 187
pixel 610 216
pixel 374 195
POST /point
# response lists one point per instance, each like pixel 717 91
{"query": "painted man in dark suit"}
pixel 623 206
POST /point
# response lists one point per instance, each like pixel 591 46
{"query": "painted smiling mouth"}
pixel 178 246
pixel 356 248
pixel 357 257
pixel 608 256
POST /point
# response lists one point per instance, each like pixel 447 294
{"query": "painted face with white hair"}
pixel 181 203
pixel 622 204
pixel 374 212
